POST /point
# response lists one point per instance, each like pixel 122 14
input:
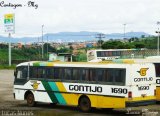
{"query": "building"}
pixel 64 57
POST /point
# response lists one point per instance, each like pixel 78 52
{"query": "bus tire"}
pixel 30 100
pixel 84 104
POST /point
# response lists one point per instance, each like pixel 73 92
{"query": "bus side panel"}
pixel 39 92
pixel 19 94
pixel 71 99
pixel 110 102
pixel 96 101
pixel 41 96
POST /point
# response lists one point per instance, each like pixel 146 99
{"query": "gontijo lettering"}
pixel 85 88
pixel 143 79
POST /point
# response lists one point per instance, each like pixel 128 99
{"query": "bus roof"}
pixel 114 50
pixel 87 64
pixel 147 60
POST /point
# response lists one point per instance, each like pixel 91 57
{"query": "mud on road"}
pixel 11 107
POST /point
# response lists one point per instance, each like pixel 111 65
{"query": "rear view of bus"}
pixel 141 85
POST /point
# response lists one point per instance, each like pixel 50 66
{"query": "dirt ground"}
pixel 11 107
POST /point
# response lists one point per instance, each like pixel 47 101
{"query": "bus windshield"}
pixel 21 72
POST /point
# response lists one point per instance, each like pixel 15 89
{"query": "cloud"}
pixel 85 15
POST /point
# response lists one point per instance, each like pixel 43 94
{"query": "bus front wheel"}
pixel 85 104
pixel 30 100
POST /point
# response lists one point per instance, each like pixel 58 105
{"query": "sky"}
pixel 106 16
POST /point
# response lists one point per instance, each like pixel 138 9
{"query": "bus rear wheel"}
pixel 30 100
pixel 84 104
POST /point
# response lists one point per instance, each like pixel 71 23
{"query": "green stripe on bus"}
pixel 59 96
pixel 43 64
pixel 36 64
pixel 49 91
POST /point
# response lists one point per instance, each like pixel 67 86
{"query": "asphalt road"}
pixel 11 107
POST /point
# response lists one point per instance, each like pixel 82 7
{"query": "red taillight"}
pixel 129 95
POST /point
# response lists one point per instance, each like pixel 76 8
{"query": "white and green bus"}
pixel 86 84
pixel 111 54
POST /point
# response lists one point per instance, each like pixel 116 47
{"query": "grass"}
pixel 3 54
pixel 7 67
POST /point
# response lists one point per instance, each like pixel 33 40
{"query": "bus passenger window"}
pixel 85 74
pixel 106 53
pixel 109 53
pixel 118 53
pixel 33 72
pixel 42 72
pixel 58 73
pixel 103 54
pixel 109 75
pixel 50 73
pixel 76 74
pixel 99 74
pixel 67 73
pixel 98 54
pixel 92 75
pixel 114 53
pixel 119 76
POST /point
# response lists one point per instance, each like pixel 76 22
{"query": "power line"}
pixel 100 36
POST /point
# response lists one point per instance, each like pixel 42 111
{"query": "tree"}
pixel 3 46
pixel 139 45
pixel 49 47
pixel 142 36
pixel 100 42
pixel 129 46
pixel 112 45
pixel 64 50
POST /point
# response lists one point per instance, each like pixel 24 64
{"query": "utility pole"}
pixel 42 42
pixel 100 36
pixel 9 36
pixel 158 23
pixel 39 50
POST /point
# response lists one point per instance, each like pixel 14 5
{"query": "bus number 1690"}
pixel 119 90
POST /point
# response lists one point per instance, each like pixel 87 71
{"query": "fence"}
pixel 82 57
pixel 17 61
pixel 139 53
